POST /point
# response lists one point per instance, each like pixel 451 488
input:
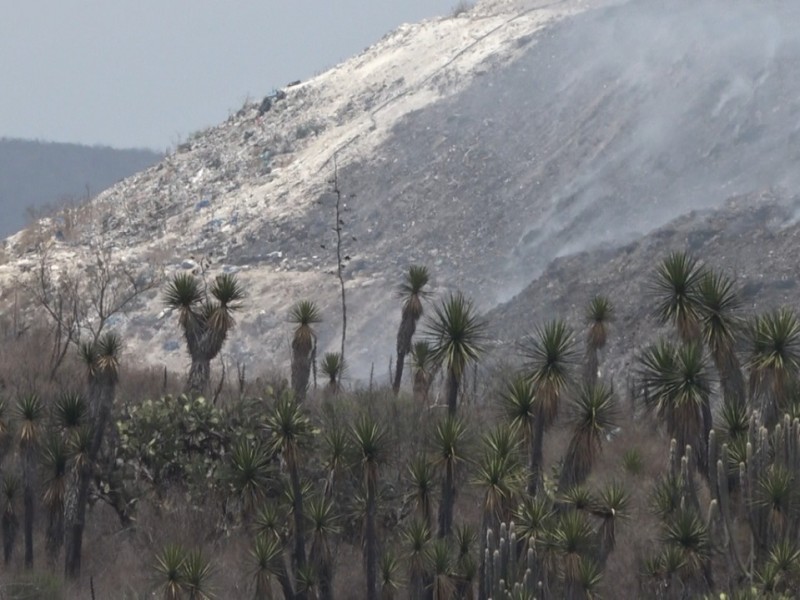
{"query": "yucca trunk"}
pixel 592 364
pixel 299 558
pixel 324 570
pixel 535 460
pixel 28 474
pixel 301 369
pixel 453 384
pixel 447 502
pixel 10 526
pixel 54 537
pixel 101 400
pixel 199 376
pixel 404 336
pixel 731 378
pixel 421 387
pixel 371 542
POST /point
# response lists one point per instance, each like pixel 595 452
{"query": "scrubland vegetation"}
pixel 535 476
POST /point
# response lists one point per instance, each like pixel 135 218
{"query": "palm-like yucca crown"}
pixel 593 414
pixel 519 403
pixel 412 290
pixel 332 365
pixel 304 314
pixel 197 573
pixel 503 441
pixel 687 532
pixel 29 411
pixel 370 440
pixel 675 291
pixel 551 355
pixel 323 518
pixel 422 355
pixel 228 291
pixel 448 437
pixel 718 307
pixel 599 314
pixel 289 424
pixel 457 332
pixel 169 565
pixel 183 292
pixel 69 410
pixel 775 342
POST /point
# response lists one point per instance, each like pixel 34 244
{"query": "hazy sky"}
pixel 147 73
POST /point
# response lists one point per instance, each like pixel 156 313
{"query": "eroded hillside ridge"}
pixel 484 146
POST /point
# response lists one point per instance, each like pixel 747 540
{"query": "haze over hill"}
pixel 35 174
pixel 484 146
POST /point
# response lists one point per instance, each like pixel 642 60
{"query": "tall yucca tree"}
pixel 449 452
pixel 424 367
pixel 267 564
pixel 206 317
pixel 333 368
pixel 422 482
pixel 774 361
pixel 412 292
pixel 250 474
pixel 324 525
pixel 370 441
pixel 30 413
pixel 291 430
pixel 305 314
pixel 550 356
pixel 675 291
pixel 519 404
pixel 599 314
pixel 720 324
pixel 593 416
pixel 458 335
pixel 101 359
pixel 611 507
pixel 678 388
pixel 571 541
pixel 416 539
pixel 10 520
pixel 499 476
pixel 54 461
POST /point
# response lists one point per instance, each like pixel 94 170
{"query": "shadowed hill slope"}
pixel 36 174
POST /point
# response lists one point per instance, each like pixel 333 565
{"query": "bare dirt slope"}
pixel 485 146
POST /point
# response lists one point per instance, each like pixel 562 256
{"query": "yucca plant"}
pixel 577 497
pixel 416 540
pixel 269 522
pixel 458 336
pixel 440 568
pixel 569 541
pixel 720 324
pixel 678 388
pixel 290 430
pixel 421 477
pixel 593 417
pixel 550 356
pixel 337 447
pixel 520 405
pixel 448 439
pixel 611 506
pixel 102 362
pixel 675 292
pixel 781 572
pixel 267 559
pixel 170 571
pixel 632 461
pixel 587 581
pixel 324 525
pixel 389 578
pixel 70 411
pixel 534 518
pixel 206 317
pixel 412 293
pixel 774 360
pixel 54 462
pixel 424 366
pixel 776 495
pixel 305 314
pixel 466 569
pixel 10 521
pixel 250 474
pixel 30 411
pixel 197 574
pixel 370 442
pixel 688 533
pixel 599 314
pixel 333 368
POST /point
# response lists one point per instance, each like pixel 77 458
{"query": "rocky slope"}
pixel 485 146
